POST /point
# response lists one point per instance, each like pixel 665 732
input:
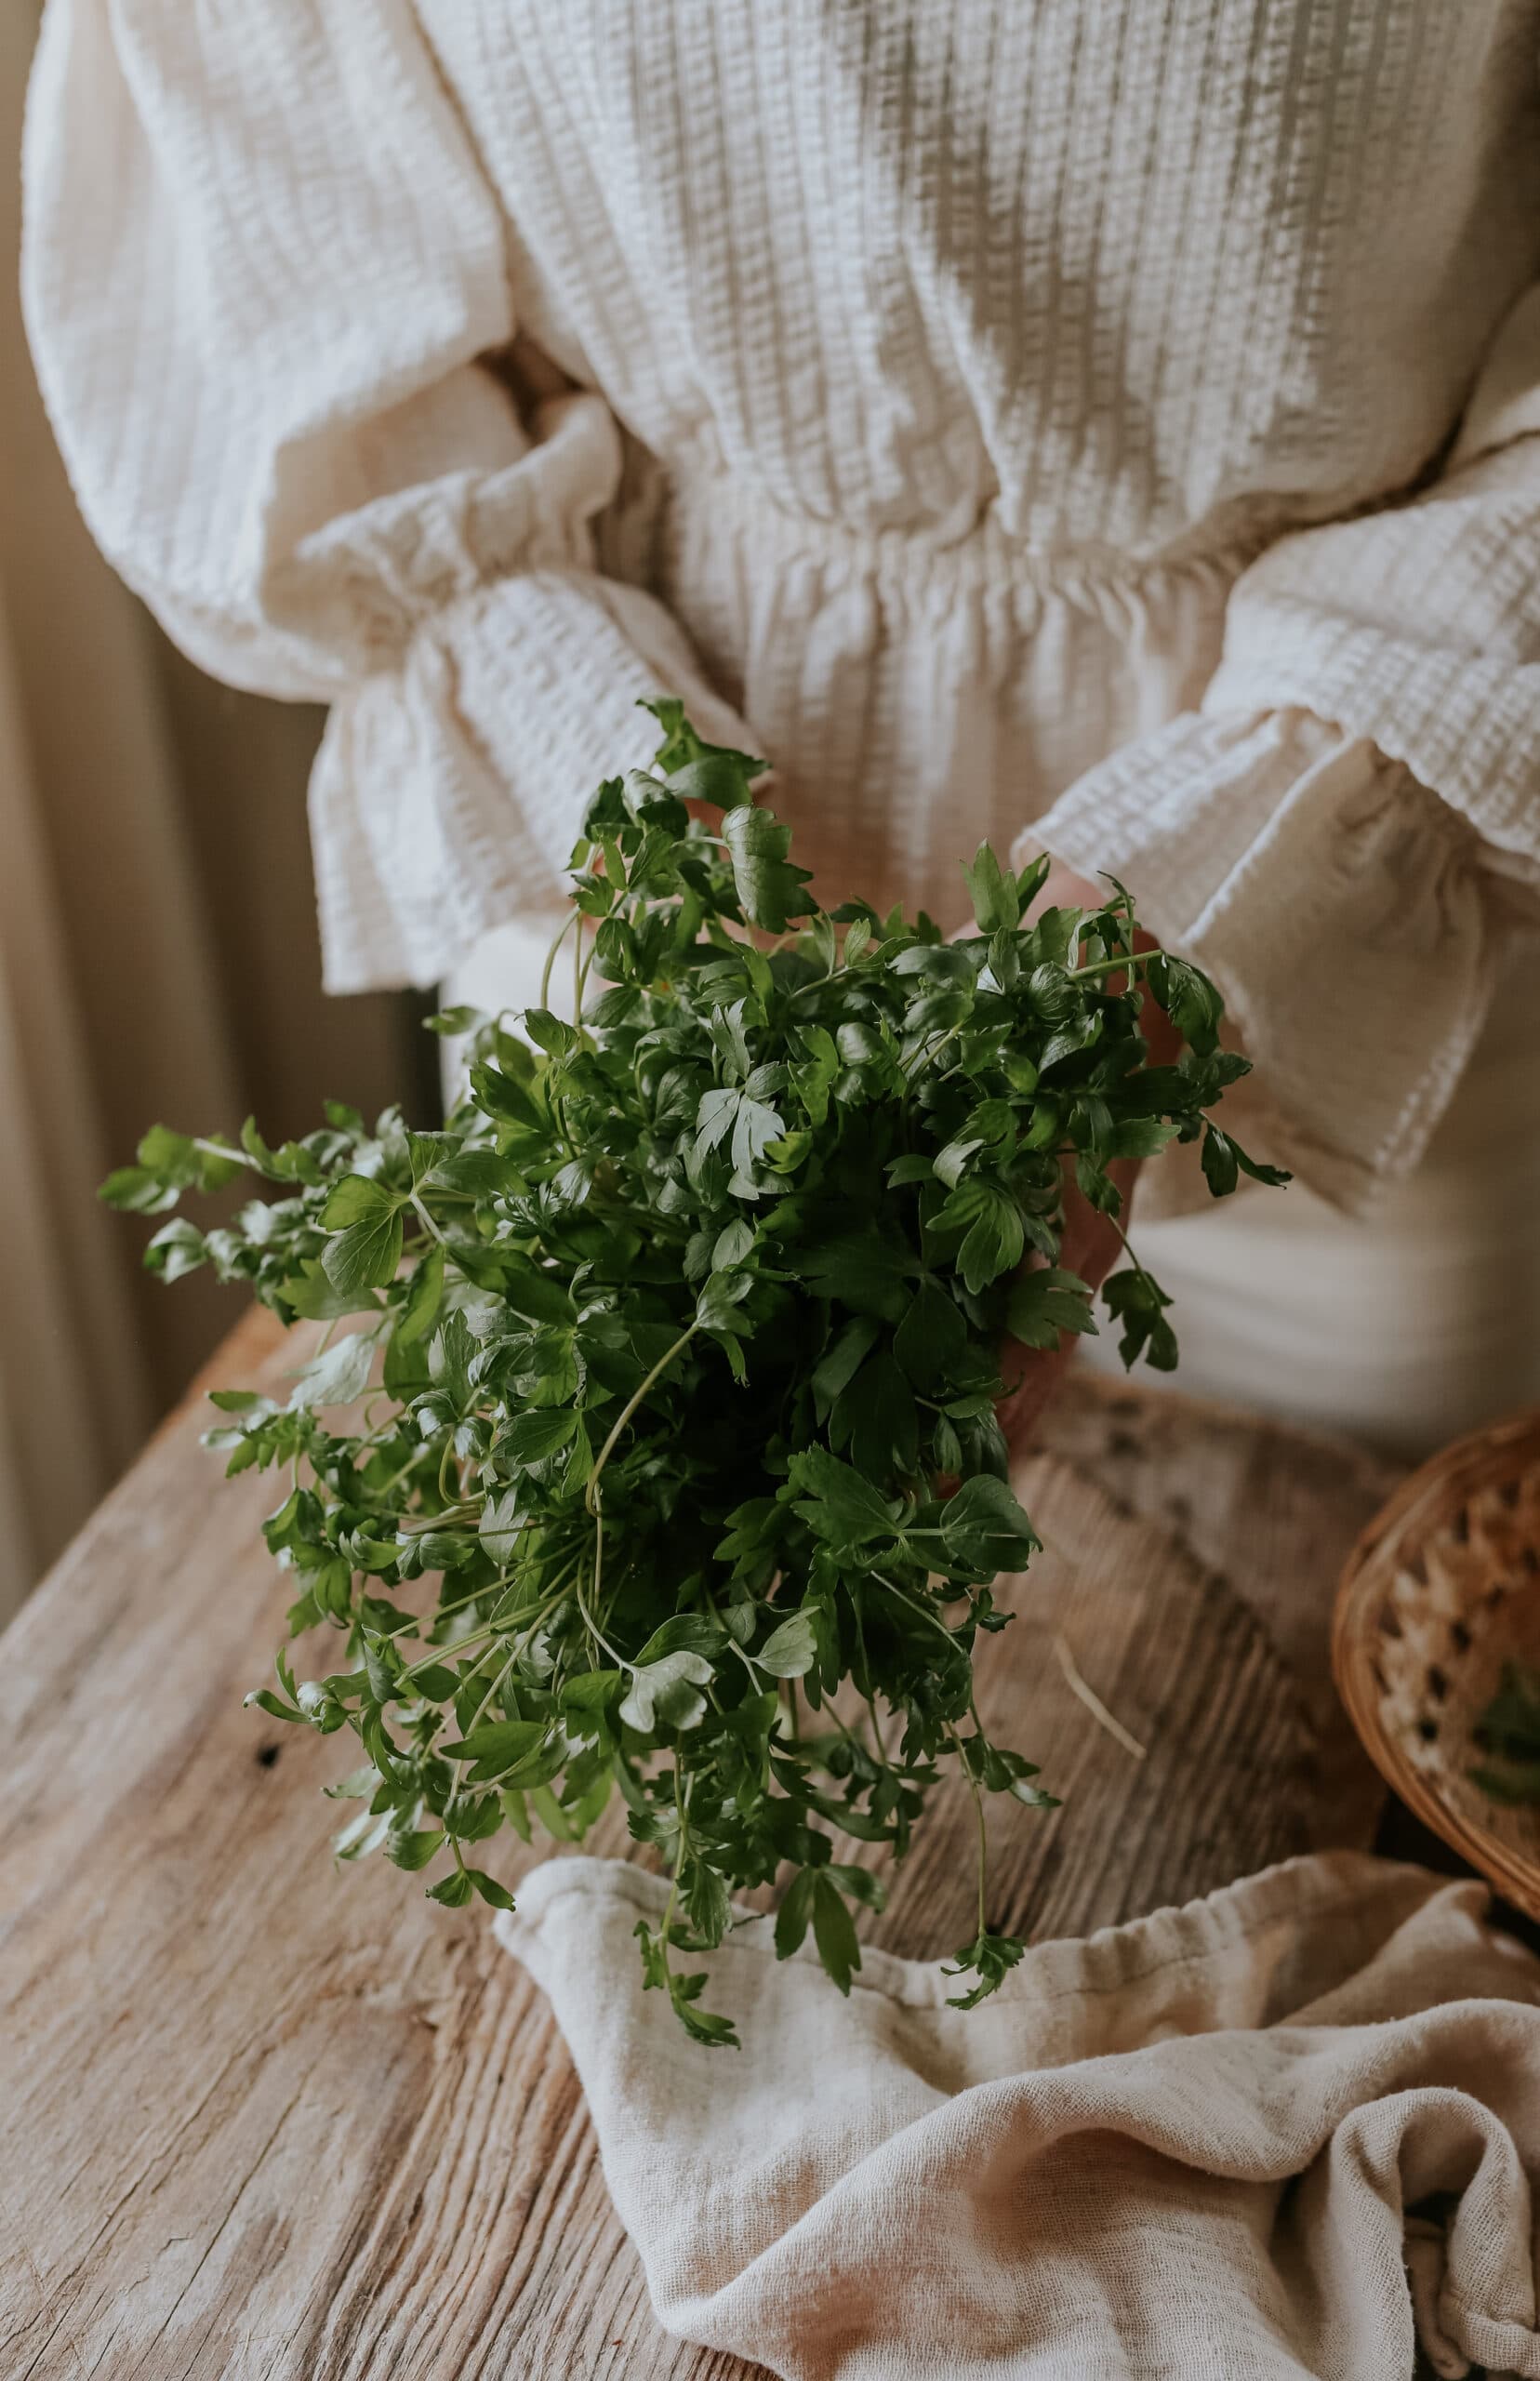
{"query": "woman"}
pixel 1111 419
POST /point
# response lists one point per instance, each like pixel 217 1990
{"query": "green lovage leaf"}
pixel 993 1235
pixel 1044 1301
pixel 338 1375
pixel 423 1302
pixel 666 1694
pixel 1224 1161
pixel 843 1360
pixel 790 1650
pixel 878 1421
pixel 984 1530
pixel 866 1270
pixel 769 887
pixel 1188 998
pixel 834 1932
pixel 532 1438
pixel 178 1248
pixel 1139 1304
pixel 931 1341
pixel 367 1220
pixel 988 1956
pixel 670 1413
pixel 836 1503
pixel 996 899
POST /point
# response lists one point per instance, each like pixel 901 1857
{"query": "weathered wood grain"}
pixel 267 2121
pixel 1273 1510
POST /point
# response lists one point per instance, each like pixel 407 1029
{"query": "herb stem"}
pixel 980 1821
pixel 232 1157
pixel 592 1626
pixel 429 1224
pixel 681 1812
pixel 1128 1250
pixel 1087 1695
pixel 572 918
pixel 1111 966
pixel 591 1497
pixel 453 1803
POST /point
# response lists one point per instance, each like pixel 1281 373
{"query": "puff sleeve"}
pixel 1347 833
pixel 266 285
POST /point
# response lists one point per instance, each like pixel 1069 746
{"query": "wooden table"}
pixel 268 2122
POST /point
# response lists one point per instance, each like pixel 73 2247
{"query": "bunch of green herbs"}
pixel 672 1363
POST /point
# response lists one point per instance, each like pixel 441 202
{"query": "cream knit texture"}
pixel 1112 414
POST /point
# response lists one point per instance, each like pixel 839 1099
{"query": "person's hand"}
pixel 1091 1245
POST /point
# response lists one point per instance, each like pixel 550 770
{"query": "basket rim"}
pixel 1485 1455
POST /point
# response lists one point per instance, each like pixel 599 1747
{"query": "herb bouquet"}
pixel 686 1327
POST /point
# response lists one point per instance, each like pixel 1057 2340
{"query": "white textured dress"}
pixel 1115 417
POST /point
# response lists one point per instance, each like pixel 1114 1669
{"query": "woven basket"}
pixel 1440 1591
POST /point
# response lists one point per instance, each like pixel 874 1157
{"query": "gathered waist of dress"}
pixel 973 549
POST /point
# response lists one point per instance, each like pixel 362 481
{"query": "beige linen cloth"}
pixel 1286 2131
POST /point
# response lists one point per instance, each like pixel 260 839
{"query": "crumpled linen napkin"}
pixel 1279 2132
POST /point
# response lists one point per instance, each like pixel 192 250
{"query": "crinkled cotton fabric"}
pixel 1121 420
pixel 1284 2134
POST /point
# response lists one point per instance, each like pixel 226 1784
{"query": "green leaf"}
pixel 1187 998
pixel 932 1340
pixel 178 1248
pixel 834 1932
pixel 427 1151
pixel 1044 1302
pixel 502 1524
pixel 790 1650
pixel 984 1530
pixel 137 1192
pixel 836 1503
pixel 1138 1303
pixel 551 1033
pixel 866 1269
pixel 357 1199
pixel 769 885
pixel 719 778
pixel 994 1237
pixel 452 1891
pixel 996 903
pixel 490 1891
pixel 991 1958
pixel 706 1904
pixel 754 1127
pixel 944 963
pixel 733 1245
pixel 502 1741
pixel 795 1913
pixel 414 1850
pixel 878 1419
pixel 716 1309
pixel 1225 1161
pixel 533 1437
pixel 423 1302
pixel 593 1692
pixel 689 1632
pixel 841 1360
pixel 339 1377
pixel 665 1694
pixel 366 1218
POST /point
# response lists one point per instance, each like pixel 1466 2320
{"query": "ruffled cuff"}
pixel 449 788
pixel 1351 920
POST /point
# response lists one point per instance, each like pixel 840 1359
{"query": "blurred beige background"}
pixel 158 961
